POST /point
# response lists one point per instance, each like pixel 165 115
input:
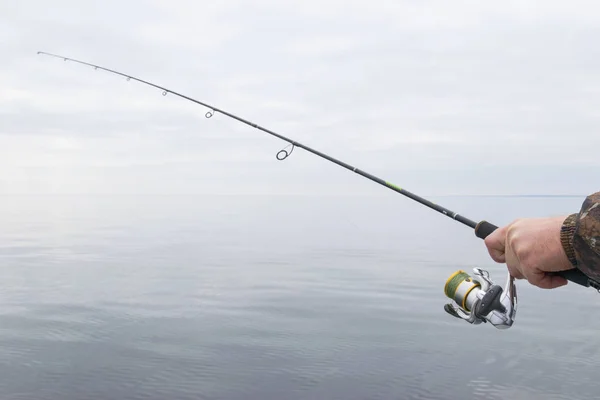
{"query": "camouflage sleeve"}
pixel 580 237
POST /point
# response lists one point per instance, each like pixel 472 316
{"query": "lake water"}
pixel 273 297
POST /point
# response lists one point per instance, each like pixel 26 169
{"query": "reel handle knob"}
pixel 484 229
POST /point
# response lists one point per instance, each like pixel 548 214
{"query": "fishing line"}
pixel 482 229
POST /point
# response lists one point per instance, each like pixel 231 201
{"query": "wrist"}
pixel 567 231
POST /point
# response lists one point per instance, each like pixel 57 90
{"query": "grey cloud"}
pixel 398 87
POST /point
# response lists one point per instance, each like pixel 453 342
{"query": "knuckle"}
pixel 516 223
pixel 512 236
pixel 517 243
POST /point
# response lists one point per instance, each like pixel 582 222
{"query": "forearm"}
pixel 580 237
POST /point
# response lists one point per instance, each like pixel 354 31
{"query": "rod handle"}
pixel 484 229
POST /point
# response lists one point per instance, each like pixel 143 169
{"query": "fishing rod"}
pixel 476 300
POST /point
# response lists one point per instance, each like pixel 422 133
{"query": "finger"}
pixel 497 255
pixel 513 264
pixel 496 245
pixel 515 272
pixel 545 280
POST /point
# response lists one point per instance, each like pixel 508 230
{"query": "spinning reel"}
pixel 478 299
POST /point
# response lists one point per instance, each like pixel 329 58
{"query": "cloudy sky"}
pixel 461 97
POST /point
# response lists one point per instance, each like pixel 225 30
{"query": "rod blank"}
pixel 482 229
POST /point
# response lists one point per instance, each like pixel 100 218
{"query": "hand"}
pixel 532 250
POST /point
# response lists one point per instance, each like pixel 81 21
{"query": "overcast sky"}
pixel 439 97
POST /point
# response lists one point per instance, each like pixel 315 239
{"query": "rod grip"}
pixel 483 229
pixel 576 276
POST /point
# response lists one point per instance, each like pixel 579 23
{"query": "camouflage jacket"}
pixel 580 237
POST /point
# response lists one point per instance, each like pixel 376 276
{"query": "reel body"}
pixel 478 299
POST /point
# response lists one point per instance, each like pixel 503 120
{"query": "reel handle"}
pixel 484 229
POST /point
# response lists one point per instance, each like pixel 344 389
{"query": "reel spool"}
pixel 478 300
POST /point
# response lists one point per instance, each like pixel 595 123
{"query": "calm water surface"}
pixel 207 297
